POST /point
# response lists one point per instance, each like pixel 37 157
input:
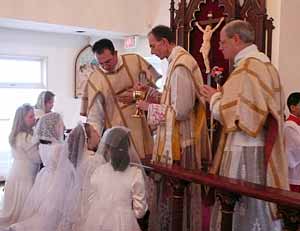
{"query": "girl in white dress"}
pixel 82 142
pixel 46 203
pixel 44 103
pixel 119 189
pixel 24 168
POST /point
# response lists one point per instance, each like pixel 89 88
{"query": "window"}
pixel 22 72
pixel 161 66
pixel 21 81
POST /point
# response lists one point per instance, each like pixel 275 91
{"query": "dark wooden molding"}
pixel 172 15
pixel 227 201
pixel 177 201
pixel 269 28
pixel 282 197
pixel 228 191
pixel 291 218
pixel 253 11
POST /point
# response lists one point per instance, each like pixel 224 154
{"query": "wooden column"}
pixel 291 218
pixel 172 16
pixel 180 25
pixel 227 201
pixel 177 203
pixel 269 28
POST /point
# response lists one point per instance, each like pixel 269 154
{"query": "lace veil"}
pixel 45 208
pixel 77 143
pixel 112 138
pixel 40 104
pixel 50 127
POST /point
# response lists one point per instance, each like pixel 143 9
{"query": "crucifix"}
pixel 207 34
pixel 166 158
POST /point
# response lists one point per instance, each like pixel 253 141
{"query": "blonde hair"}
pixel 19 124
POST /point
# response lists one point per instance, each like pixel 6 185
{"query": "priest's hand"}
pixel 141 87
pixel 142 105
pixel 207 92
pixel 126 97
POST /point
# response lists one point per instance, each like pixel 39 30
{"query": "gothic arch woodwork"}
pixel 254 11
pixel 183 18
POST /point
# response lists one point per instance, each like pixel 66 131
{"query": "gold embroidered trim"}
pixel 117 106
pixel 128 72
pixel 228 105
pixel 253 106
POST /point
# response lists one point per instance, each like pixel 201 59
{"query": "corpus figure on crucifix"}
pixel 205 47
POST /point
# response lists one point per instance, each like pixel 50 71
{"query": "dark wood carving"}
pixel 227 201
pixel 283 197
pixel 177 201
pixel 201 16
pixel 291 218
pixel 182 22
pixel 228 191
pixel 188 35
pixel 172 15
pixel 254 11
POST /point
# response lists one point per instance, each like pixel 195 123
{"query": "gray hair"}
pixel 242 28
pixel 19 124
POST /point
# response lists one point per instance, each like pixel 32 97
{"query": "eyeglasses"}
pixel 107 62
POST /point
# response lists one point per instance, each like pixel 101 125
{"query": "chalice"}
pixel 137 96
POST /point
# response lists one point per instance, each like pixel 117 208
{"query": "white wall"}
pixel 160 12
pixel 289 49
pixel 127 16
pixel 60 51
pixel 142 47
pixel 274 11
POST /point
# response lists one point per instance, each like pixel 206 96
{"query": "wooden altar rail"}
pixel 230 189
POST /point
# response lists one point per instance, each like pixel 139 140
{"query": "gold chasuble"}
pixel 111 85
pixel 252 99
pixel 182 139
pixel 184 142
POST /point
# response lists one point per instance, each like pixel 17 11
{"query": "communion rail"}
pixel 228 191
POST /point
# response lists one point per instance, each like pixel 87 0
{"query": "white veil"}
pixel 46 204
pixel 77 143
pixel 79 196
pixel 54 211
pixel 50 127
pixel 40 108
pixel 115 140
pixel 112 138
pixel 40 104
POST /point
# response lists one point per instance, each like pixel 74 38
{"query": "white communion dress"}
pixel 21 177
pixel 119 199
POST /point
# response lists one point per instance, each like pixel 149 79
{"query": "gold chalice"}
pixel 137 96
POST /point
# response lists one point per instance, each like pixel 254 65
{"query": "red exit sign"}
pixel 129 42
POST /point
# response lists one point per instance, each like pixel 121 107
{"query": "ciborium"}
pixel 137 96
